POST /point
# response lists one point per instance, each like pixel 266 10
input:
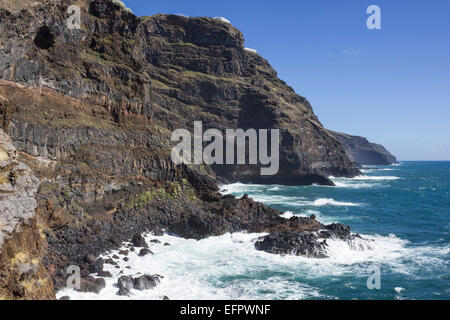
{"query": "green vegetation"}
pixel 173 191
pixel 147 18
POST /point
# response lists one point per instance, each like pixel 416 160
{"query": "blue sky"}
pixel 390 85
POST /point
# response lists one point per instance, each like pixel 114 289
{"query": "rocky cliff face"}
pixel 364 152
pixel 169 70
pixel 91 113
pixel 22 246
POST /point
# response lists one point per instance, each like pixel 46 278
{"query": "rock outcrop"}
pixel 310 243
pixel 364 152
pixel 22 246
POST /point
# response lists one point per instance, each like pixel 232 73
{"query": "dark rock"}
pixel 104 274
pixel 337 231
pixel 144 252
pixel 293 242
pixel 96 266
pixel 124 292
pixel 166 244
pixel 139 241
pixel 65 298
pixel 166 298
pixel 123 252
pixel 90 258
pixel 146 282
pixel 155 241
pixel 313 217
pixel 92 285
pixel 228 196
pixel 126 282
pixel 111 261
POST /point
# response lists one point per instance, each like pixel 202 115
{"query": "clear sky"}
pixel 390 85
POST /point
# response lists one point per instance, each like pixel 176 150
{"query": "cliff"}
pixel 364 152
pixel 168 70
pixel 91 112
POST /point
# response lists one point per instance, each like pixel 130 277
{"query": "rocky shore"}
pixel 85 148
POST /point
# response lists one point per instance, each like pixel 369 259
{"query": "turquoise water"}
pixel 402 209
pixel 406 207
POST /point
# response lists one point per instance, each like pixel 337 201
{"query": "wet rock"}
pixel 336 231
pixel 92 285
pixel 111 261
pixel 155 241
pixel 126 282
pixel 144 252
pixel 65 298
pixel 104 274
pixel 124 292
pixel 146 282
pixel 139 241
pixel 293 242
pixel 123 252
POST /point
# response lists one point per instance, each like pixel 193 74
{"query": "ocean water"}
pixel 403 209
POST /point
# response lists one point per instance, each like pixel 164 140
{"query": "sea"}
pixel 403 211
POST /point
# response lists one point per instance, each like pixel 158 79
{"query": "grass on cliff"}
pixel 174 191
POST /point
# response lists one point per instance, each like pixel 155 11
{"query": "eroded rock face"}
pixel 22 246
pixel 18 187
pixel 172 69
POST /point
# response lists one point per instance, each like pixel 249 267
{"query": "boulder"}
pixel 144 252
pixel 92 285
pixel 139 241
pixel 293 242
pixel 146 282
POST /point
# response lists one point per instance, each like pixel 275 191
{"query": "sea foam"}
pixel 229 267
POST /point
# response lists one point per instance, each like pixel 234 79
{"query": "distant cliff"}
pixel 364 152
